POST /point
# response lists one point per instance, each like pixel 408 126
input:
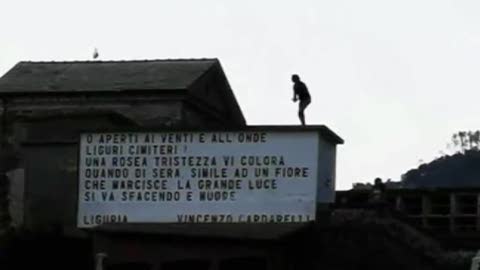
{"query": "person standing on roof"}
pixel 300 92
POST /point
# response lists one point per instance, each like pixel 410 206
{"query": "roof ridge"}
pixel 122 61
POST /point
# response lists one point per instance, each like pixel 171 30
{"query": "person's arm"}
pixel 294 95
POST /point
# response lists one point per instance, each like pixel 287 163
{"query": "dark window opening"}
pixel 413 205
pixel 467 204
pixel 440 204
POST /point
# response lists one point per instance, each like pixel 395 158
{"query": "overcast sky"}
pixel 395 79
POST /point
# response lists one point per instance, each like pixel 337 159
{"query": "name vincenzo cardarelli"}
pixel 207 218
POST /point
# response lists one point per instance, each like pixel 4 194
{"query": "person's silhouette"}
pixel 300 92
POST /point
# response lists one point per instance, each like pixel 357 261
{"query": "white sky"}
pixel 393 78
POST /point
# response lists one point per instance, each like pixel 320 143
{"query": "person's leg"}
pixel 302 117
pixel 301 110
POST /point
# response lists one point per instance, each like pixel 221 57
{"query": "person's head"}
pixel 295 78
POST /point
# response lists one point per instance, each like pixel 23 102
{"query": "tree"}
pixel 464 141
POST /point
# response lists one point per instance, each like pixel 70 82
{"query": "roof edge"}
pixel 117 61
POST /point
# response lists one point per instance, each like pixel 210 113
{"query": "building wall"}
pixel 48 153
pixel 326 172
pixel 51 186
pixel 16 198
pixel 43 134
pixel 210 92
pixel 144 109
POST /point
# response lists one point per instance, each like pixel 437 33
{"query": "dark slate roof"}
pixel 84 76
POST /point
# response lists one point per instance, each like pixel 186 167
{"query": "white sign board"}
pixel 200 177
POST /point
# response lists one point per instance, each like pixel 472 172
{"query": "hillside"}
pixel 461 170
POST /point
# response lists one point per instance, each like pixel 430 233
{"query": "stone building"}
pixel 46 105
